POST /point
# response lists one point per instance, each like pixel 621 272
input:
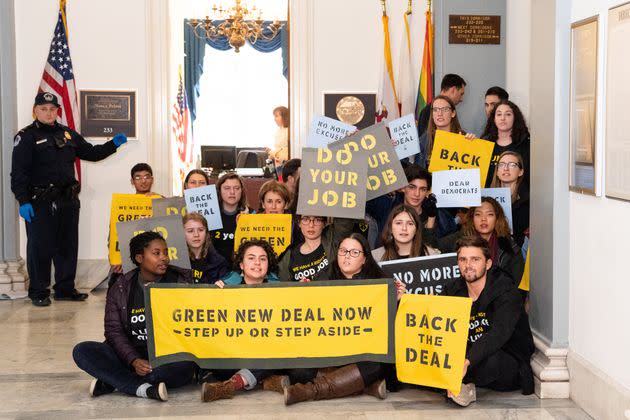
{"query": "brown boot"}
pixel 341 382
pixel 276 383
pixel 217 391
pixel 378 389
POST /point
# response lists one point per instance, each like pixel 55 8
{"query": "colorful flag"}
pixel 58 77
pixel 182 131
pixel 425 88
pixel 387 100
pixel 406 88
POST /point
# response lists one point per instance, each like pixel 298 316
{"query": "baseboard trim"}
pixel 598 394
pixel 551 376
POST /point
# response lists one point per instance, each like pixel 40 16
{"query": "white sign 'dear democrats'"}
pixel 457 188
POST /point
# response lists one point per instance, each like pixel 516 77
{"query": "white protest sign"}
pixel 503 197
pixel 204 200
pixel 404 134
pixel 325 130
pixel 457 188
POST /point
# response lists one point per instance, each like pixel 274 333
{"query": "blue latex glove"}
pixel 26 211
pixel 119 139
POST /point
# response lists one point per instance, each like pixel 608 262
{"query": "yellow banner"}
pixel 126 207
pixel 431 335
pixel 283 324
pixel 454 151
pixel 524 284
pixel 273 228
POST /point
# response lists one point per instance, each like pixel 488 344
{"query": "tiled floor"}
pixel 39 380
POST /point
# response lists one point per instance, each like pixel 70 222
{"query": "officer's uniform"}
pixel 42 174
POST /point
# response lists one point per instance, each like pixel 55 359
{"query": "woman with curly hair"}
pixel 506 127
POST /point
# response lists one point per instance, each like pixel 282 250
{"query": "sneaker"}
pixel 467 394
pixel 41 301
pixel 75 296
pixel 158 392
pixel 98 388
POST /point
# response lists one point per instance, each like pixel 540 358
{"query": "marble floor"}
pixel 38 380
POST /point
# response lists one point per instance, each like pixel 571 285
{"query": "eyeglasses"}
pixel 511 165
pixel 442 110
pixel 316 221
pixel 142 178
pixel 342 252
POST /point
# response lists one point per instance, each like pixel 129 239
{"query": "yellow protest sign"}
pixel 524 284
pixel 274 325
pixel 431 335
pixel 273 228
pixel 125 207
pixel 453 151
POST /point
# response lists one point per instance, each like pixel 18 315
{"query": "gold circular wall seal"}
pixel 350 110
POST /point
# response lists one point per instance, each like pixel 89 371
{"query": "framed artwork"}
pixel 617 92
pixel 105 113
pixel 358 109
pixel 583 105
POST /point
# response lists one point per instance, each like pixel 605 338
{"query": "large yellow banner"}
pixel 272 325
pixel 454 151
pixel 273 228
pixel 431 335
pixel 126 207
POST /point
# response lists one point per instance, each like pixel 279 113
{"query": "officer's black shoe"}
pixel 75 296
pixel 41 301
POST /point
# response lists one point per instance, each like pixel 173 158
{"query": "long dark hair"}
pixel 370 269
pixel 455 125
pixel 519 128
pixel 418 247
pixel 502 226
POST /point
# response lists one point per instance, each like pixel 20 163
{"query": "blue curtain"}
pixel 195 51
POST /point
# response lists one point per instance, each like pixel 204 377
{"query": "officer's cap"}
pixel 43 98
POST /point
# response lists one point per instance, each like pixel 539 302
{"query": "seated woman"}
pixel 206 263
pixel 256 262
pixel 488 221
pixel 121 362
pixel 196 178
pixel 506 127
pixel 443 117
pixel 232 202
pixel 311 258
pixel 509 173
pixel 354 261
pixel 402 236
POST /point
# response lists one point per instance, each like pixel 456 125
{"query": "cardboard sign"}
pixel 385 173
pixel 204 200
pixel 404 135
pixel 331 184
pixel 504 198
pixel 169 206
pixel 326 130
pixel 273 228
pixel 272 325
pixel 424 275
pixel 431 336
pixel 457 188
pixel 125 207
pixel 171 229
pixel 454 151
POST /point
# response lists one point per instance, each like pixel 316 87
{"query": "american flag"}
pixel 181 127
pixel 58 77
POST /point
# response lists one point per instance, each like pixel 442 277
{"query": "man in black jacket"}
pixel 500 342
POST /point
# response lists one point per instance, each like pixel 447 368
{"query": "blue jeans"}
pixel 102 362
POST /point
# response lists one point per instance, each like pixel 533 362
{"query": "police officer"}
pixel 42 179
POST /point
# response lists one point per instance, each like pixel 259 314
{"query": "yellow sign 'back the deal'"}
pixel 454 151
pixel 273 321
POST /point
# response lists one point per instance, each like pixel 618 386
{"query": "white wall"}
pixel 599 308
pixel 108 50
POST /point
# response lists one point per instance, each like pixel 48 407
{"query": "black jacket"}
pixel 209 269
pixel 520 216
pixel 509 324
pixel 117 328
pixel 39 161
